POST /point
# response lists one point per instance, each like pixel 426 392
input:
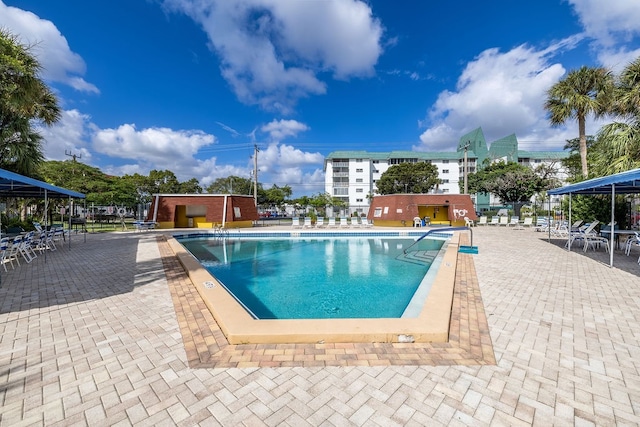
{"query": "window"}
pixel 358 179
pixel 358 170
pixel 377 213
pixel 445 161
pixel 236 212
pixel 446 181
pixel 375 162
pixel 359 190
pixel 386 210
pixel 445 170
pixel 341 191
pixel 359 200
pixel 358 160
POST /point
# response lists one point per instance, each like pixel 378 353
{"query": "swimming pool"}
pixel 429 324
pixel 320 277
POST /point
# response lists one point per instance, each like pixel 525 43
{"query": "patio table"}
pixel 617 234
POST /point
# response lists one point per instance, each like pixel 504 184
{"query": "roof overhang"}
pixel 623 183
pixel 15 185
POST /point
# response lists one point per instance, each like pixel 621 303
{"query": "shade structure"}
pixel 623 183
pixel 620 183
pixel 15 185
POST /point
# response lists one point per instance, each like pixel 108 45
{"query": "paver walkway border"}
pixel 206 346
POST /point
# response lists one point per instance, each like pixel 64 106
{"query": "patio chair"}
pixel 503 220
pixel 307 222
pixel 365 222
pixel 495 220
pixel 468 222
pixel 631 241
pixel 320 222
pixel 515 221
pixel 295 223
pixel 582 234
pixel 7 253
pixel 344 223
pixel 332 223
pixel 482 220
pixel 417 222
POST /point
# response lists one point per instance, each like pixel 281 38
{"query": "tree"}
pixel 511 182
pixel 583 92
pixel 618 143
pixel 163 182
pixel 277 196
pixel 191 186
pixel 232 185
pixel 408 178
pixel 573 163
pixel 25 100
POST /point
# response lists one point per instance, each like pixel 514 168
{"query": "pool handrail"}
pixel 438 230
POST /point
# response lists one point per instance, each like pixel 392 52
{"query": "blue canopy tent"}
pixel 621 183
pixel 19 186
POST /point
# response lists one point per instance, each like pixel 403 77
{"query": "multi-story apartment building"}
pixel 352 175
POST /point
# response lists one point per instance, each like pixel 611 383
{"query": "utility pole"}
pixel 74 156
pixel 255 174
pixel 465 171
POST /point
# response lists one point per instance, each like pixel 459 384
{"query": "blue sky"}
pixel 192 85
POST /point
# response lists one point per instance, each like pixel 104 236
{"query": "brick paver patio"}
pixel 92 337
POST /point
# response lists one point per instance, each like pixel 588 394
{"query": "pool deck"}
pixel 99 334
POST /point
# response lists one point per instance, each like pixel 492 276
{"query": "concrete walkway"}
pixel 91 337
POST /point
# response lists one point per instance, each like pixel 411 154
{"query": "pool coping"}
pixel 239 327
pixel 206 347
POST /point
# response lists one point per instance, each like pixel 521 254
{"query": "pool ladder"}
pixel 440 230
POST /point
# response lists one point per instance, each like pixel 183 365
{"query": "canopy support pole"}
pixel 613 219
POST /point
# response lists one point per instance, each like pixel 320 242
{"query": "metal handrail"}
pixel 438 230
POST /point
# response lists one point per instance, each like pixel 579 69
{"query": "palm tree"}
pixel 24 101
pixel 584 91
pixel 618 144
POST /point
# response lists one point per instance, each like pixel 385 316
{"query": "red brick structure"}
pixel 202 210
pixel 397 210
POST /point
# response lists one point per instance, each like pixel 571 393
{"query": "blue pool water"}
pixel 318 278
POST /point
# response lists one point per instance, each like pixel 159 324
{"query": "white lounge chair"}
pixel 344 223
pixel 580 235
pixel 482 220
pixel 515 221
pixel 495 220
pixel 320 222
pixel 528 222
pixel 332 223
pixel 365 222
pixel 503 220
pixel 417 222
pixel 307 222
pixel 295 223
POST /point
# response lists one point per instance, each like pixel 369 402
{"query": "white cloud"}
pixel 68 136
pixel 127 150
pixel 280 129
pixel 59 63
pixel 502 92
pixel 272 51
pixel 609 22
pixel 151 144
pixel 610 25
